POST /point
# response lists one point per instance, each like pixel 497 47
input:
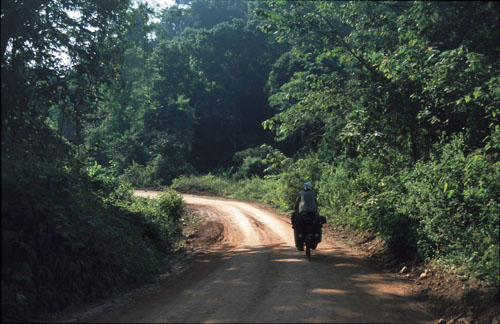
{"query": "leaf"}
pixel 477 92
pixel 467 99
pixel 445 186
pixel 450 193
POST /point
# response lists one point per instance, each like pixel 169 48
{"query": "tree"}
pixel 412 80
pixel 408 107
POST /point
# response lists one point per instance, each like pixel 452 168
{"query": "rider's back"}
pixel 307 201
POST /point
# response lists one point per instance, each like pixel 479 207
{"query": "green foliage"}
pixel 259 161
pixel 291 180
pixel 68 231
pixel 251 165
pixel 255 188
pixel 140 176
pixel 157 172
pixel 393 112
pixel 69 237
pixel 279 189
pixel 205 184
pixel 455 199
pixel 187 99
pixel 164 216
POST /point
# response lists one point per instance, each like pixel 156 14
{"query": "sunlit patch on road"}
pixel 325 291
pixel 288 260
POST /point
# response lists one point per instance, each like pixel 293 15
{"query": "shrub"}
pixel 259 161
pixel 208 183
pixel 445 208
pixel 69 237
pixel 160 171
pixel 140 176
pixel 455 199
pixel 292 178
pixel 163 216
pixel 259 189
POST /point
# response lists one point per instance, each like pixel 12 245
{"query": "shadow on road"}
pixel 275 284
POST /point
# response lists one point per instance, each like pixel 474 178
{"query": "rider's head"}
pixel 308 186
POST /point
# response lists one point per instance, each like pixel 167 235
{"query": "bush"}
pixel 160 171
pixel 445 208
pixel 208 183
pixel 69 237
pixel 259 161
pixel 140 176
pixel 259 189
pixel 292 178
pixel 162 231
pixel 337 195
pixel 454 197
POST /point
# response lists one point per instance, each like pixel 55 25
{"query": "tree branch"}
pixel 344 43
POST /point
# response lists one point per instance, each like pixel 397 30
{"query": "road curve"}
pixel 256 275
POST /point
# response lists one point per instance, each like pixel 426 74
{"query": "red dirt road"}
pixel 255 274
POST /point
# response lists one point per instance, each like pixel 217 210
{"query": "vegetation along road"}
pixel 255 274
pixel 391 109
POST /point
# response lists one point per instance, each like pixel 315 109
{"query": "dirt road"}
pixel 254 274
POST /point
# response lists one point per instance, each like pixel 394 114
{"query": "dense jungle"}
pixel 391 109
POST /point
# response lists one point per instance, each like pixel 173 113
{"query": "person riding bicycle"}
pixel 306 205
